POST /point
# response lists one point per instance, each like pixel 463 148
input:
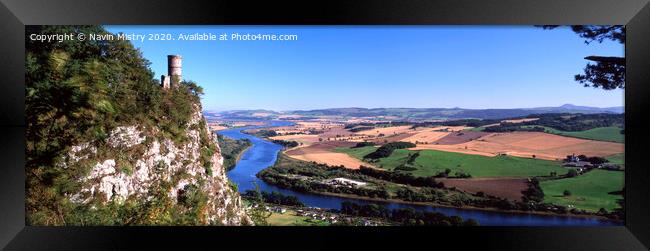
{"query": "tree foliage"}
pixel 404 216
pixel 77 92
pixel 605 72
pixel 231 149
pixel 387 149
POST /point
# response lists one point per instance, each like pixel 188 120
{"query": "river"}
pixel 263 154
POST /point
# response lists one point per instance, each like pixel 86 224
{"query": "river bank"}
pixel 309 177
pixel 487 209
pixel 263 154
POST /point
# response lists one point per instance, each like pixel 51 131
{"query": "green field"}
pixel 431 162
pixel 611 134
pixel 476 129
pixel 589 191
pixel 357 152
pixel 618 159
pixel 290 219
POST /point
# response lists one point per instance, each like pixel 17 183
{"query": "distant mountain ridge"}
pixel 614 109
pixel 424 113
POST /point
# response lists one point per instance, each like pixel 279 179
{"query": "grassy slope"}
pixel 290 219
pixel 588 191
pixel 618 159
pixel 432 162
pixel 357 152
pixel 611 134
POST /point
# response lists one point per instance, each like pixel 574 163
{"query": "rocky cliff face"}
pixel 134 160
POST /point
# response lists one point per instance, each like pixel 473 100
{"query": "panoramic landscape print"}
pixel 325 126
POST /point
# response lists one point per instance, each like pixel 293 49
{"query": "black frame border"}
pixel 15 14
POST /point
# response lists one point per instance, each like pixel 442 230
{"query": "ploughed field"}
pixel 509 188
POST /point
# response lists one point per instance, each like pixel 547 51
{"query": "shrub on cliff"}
pixel 78 91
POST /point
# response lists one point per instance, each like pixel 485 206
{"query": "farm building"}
pixel 345 182
pixel 581 164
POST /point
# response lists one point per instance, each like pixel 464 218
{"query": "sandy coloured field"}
pixel 428 136
pixel 509 188
pixel 305 127
pixel 392 138
pixel 387 131
pixel 431 135
pixel 302 138
pixel 336 132
pixel 323 153
pixel 452 148
pixel 527 144
pixel 331 158
pixel 217 127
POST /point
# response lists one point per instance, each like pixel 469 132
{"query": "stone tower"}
pixel 174 72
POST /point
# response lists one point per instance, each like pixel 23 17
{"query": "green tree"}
pixel 572 173
pixel 602 72
pixel 258 212
pixel 77 92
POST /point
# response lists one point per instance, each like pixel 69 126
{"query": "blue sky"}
pixel 384 66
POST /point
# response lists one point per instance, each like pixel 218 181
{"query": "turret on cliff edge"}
pixel 174 72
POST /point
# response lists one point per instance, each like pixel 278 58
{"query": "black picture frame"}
pixel 15 14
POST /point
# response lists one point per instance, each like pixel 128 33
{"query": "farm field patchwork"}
pixel 323 153
pixel 590 191
pixel 528 144
pixel 460 137
pixel 610 134
pixel 392 130
pixel 431 162
pixel 301 138
pixel 468 159
pixel 426 136
pixel 357 152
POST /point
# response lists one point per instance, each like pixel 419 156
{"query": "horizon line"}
pixel 356 107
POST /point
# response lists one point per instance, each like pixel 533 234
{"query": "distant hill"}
pixel 419 114
pixel 243 114
pixel 584 109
